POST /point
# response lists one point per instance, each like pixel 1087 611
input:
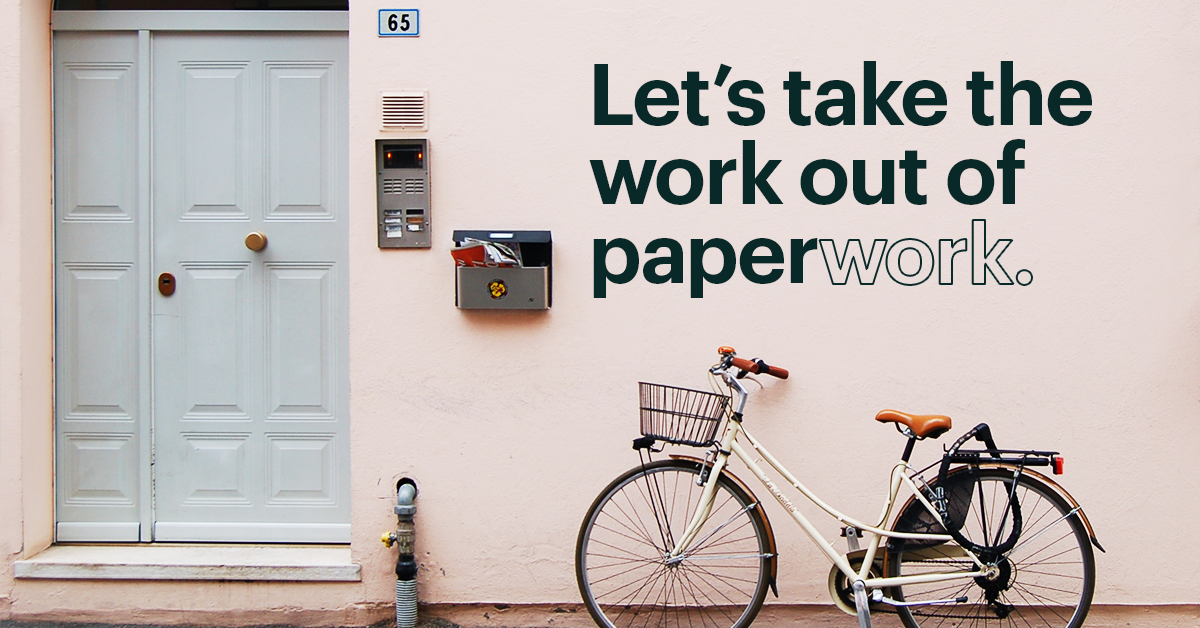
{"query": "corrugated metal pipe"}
pixel 405 538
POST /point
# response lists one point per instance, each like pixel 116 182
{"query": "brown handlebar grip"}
pixel 752 367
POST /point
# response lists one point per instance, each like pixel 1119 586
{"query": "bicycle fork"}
pixel 703 510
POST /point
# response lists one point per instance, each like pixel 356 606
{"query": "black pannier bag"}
pixel 958 489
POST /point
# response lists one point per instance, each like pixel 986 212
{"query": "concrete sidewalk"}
pixel 772 616
pixel 775 616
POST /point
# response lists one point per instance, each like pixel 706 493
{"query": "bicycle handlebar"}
pixel 757 366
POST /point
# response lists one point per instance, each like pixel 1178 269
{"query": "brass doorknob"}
pixel 256 241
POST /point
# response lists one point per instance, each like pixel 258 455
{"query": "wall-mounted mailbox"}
pixel 527 287
pixel 403 193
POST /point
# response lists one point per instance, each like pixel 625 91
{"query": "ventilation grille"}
pixel 405 110
pixel 404 186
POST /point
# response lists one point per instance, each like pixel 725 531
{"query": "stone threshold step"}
pixel 307 563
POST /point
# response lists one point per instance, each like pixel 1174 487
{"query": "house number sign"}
pixel 399 22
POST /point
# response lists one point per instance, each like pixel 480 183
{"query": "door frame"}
pixel 144 23
pixel 297 21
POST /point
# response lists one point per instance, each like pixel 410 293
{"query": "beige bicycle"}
pixel 681 542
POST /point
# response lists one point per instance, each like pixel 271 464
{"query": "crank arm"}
pixel 877 596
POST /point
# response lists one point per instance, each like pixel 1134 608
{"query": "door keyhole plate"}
pixel 166 284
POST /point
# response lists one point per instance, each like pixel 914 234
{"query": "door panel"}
pixel 250 366
pixel 216 130
pixel 300 334
pixel 217 341
pixel 99 318
pixel 301 131
pixel 302 469
pixel 217 469
pixel 103 469
pixel 96 98
pixel 100 305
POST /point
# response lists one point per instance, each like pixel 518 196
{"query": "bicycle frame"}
pixel 901 474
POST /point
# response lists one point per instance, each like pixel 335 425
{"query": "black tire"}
pixel 620 563
pixel 1045 581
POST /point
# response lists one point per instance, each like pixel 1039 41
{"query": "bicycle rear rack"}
pixel 1020 458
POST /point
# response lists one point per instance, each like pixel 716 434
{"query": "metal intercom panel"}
pixel 403 192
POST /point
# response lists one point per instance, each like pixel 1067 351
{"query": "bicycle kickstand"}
pixel 861 604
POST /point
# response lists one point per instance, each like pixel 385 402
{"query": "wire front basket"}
pixel 680 415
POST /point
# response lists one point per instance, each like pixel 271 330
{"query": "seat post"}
pixel 908 448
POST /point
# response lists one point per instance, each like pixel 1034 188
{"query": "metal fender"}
pixel 773 562
pixel 1062 492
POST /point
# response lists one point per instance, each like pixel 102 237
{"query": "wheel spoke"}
pixel 618 575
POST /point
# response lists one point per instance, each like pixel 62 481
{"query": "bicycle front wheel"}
pixel 1044 580
pixel 626 576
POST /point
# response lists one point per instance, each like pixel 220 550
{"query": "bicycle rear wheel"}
pixel 1044 581
pixel 621 557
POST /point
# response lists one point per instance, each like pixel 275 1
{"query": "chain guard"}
pixel 842 591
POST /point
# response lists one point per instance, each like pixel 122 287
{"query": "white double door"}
pixel 202 386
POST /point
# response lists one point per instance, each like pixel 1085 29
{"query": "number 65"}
pixel 403 25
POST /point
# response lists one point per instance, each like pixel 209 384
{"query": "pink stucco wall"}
pixel 512 422
pixel 26 309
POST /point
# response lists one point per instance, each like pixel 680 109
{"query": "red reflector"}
pixel 1058 465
